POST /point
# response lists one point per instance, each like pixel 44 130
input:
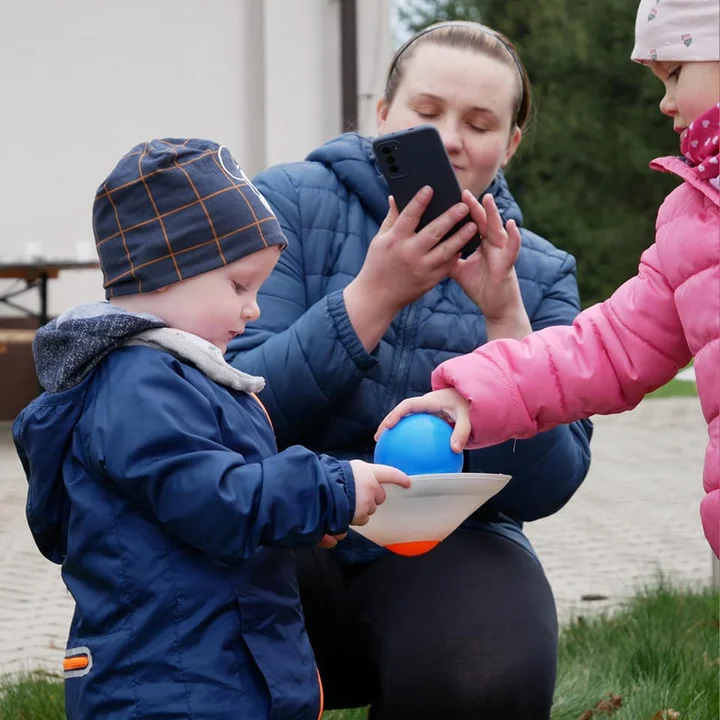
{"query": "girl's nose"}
pixel 667 105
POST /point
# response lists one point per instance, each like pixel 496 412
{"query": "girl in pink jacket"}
pixel 618 351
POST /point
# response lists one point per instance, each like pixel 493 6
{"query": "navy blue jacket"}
pixel 325 391
pixel 163 496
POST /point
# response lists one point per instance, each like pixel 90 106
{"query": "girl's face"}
pixel 691 88
pixel 470 98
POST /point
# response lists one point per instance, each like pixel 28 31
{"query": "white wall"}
pixel 81 81
pixel 375 49
pixel 301 41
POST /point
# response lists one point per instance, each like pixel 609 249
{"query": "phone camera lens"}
pixel 391 159
pixel 393 168
pixel 386 150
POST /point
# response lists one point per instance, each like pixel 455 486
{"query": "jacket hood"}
pixel 42 434
pixel 66 351
pixel 351 158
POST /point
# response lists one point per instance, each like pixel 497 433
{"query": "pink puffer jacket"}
pixel 618 351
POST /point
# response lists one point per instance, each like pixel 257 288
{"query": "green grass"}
pixel 38 696
pixel 675 388
pixel 360 714
pixel 659 652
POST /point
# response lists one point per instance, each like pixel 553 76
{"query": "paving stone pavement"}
pixel 636 514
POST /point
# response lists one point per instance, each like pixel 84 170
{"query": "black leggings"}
pixel 467 631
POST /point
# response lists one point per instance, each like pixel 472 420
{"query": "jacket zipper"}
pixel 405 352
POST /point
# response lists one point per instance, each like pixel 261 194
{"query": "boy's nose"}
pixel 251 311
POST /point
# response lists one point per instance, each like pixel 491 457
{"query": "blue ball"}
pixel 419 445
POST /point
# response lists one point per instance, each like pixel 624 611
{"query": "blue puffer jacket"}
pixel 163 496
pixel 325 391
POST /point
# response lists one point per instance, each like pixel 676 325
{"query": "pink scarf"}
pixel 699 145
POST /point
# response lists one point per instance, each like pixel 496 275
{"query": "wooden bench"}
pixel 15 337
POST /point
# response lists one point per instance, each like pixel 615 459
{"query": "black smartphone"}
pixel 409 160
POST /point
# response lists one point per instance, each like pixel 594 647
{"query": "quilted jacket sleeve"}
pixel 606 362
pixel 310 356
pixel 547 469
pixel 172 461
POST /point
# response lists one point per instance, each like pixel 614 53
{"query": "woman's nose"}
pixel 450 134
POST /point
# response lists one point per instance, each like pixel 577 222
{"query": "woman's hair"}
pixel 464 36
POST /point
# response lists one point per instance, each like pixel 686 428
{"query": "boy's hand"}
pixel 369 491
pixel 330 541
pixel 448 404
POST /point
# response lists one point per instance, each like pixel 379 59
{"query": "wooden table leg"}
pixel 43 290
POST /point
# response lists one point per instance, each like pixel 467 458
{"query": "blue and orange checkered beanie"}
pixel 172 209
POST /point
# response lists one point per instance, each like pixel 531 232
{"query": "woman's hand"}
pixel 449 404
pixel 402 265
pixel 488 276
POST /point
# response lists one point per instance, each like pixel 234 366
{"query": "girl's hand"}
pixel 448 404
pixel 488 276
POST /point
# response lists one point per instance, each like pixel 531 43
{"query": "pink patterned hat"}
pixel 677 30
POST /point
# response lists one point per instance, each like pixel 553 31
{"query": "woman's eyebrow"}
pixel 437 98
pixel 427 96
pixel 484 110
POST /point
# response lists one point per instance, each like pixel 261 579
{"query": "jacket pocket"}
pixel 98 676
pixel 274 633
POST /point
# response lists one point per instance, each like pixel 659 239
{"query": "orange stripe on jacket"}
pixel 267 414
pixel 77 662
pixel 322 695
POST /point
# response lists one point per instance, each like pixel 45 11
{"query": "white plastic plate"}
pixel 431 509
